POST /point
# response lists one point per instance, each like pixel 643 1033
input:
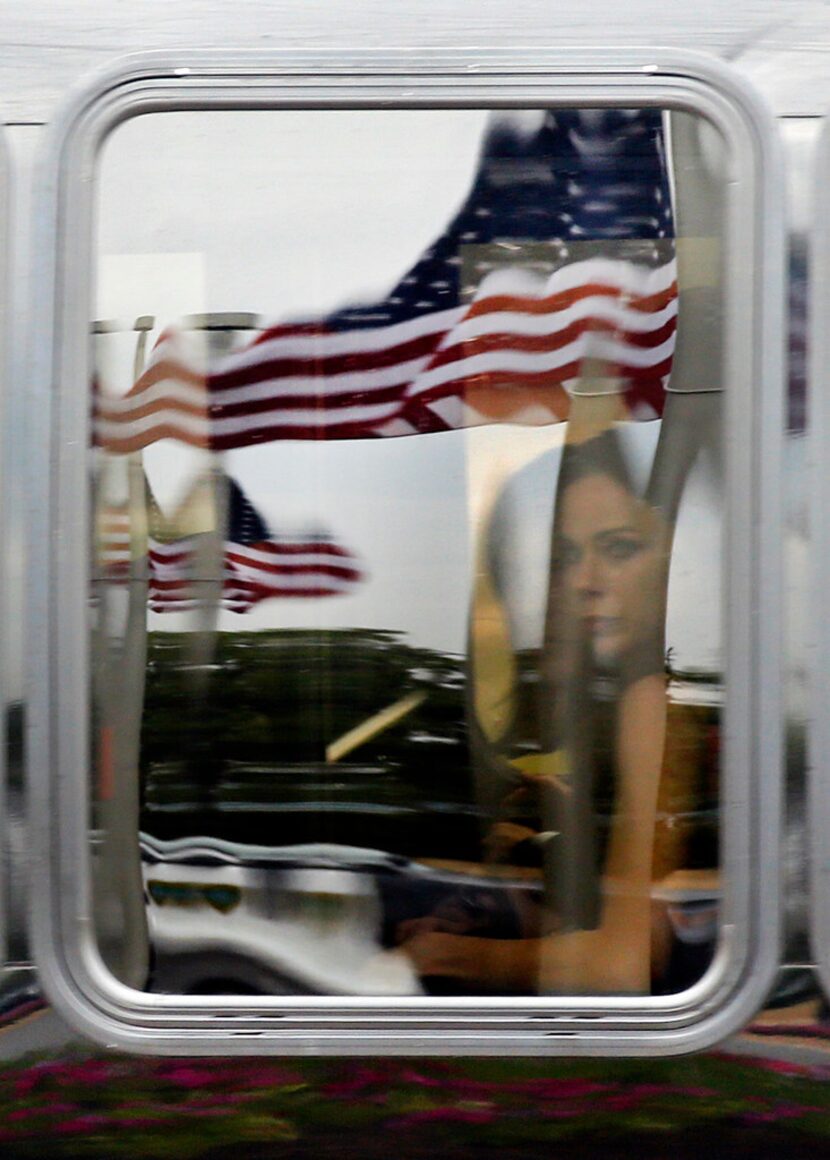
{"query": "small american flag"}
pixel 562 252
pixel 113 536
pixel 256 566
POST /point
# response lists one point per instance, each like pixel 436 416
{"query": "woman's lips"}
pixel 602 625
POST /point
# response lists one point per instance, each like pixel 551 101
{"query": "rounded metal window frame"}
pixel 73 975
pixel 7 409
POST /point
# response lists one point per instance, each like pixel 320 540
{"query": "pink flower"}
pixel 781 1112
pixel 558 1089
pixel 445 1116
pixel 266 1076
pixel 417 1077
pixel 622 1101
pixel 32 1076
pixel 561 1112
pixel 472 1086
pixel 80 1124
pixel 143 1122
pixel 89 1071
pixel 779 1066
pixel 190 1077
pixel 362 1078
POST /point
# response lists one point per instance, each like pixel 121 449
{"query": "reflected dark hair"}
pixel 600 455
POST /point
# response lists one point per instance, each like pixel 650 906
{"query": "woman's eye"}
pixel 566 556
pixel 622 547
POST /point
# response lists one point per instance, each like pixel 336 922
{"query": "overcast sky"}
pixel 290 216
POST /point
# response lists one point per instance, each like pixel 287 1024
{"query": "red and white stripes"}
pixel 510 355
pixel 312 567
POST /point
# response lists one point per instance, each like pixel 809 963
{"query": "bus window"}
pixel 412 648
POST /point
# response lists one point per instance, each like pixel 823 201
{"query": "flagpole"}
pixel 693 410
pixel 691 423
pixel 119 670
pixel 221 332
pixel 572 872
pixel 585 894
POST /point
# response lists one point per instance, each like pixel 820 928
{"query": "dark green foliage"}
pixel 237 748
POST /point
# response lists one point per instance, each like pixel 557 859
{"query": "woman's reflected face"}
pixel 610 553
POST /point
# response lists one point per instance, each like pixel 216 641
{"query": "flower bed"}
pixel 220 1110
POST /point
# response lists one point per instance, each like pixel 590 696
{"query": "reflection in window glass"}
pixel 401 681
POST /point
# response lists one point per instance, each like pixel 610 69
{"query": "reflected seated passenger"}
pixel 604 629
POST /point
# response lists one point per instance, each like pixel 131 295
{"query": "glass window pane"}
pixel 405 606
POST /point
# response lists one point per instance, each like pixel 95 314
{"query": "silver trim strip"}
pixel 8 191
pixel 818 787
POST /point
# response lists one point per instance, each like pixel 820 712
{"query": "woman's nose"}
pixel 588 575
